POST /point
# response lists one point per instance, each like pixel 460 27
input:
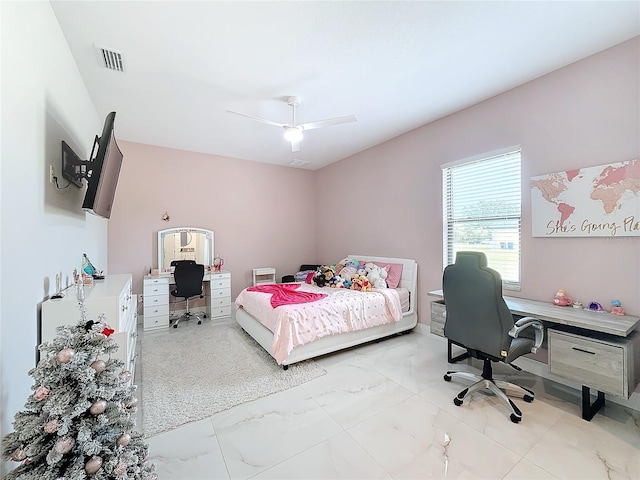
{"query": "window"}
pixel 482 212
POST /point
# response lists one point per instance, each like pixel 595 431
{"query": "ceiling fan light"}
pixel 293 134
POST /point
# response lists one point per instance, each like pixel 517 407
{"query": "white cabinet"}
pixel 156 302
pixel 111 297
pixel 220 294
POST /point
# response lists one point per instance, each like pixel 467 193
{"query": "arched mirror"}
pixel 184 243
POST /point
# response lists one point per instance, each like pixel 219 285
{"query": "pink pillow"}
pixel 394 273
pixel 309 278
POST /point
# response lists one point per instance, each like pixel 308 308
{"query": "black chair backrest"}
pixel 305 267
pixel 175 263
pixel 477 316
pixel 188 278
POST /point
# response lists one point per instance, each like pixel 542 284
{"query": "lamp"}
pixel 293 134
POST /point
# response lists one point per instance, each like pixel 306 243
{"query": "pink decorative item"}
pixel 616 307
pixel 41 393
pixel 562 299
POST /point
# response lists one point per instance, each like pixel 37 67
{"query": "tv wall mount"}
pixel 74 168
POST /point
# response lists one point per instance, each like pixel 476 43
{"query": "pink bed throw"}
pixel 287 294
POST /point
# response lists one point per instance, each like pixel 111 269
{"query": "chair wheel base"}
pixel 515 418
pixel 457 401
pixel 175 325
pixel 528 398
pixel 447 378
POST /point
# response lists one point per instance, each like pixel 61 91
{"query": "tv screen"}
pixel 103 171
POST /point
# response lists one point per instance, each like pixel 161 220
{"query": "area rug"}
pixel 194 371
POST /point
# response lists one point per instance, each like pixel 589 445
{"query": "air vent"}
pixel 298 163
pixel 111 59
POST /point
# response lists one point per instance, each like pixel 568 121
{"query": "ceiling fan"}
pixel 293 131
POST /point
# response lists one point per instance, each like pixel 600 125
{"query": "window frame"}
pixel 449 219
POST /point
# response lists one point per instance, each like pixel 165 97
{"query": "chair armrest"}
pixel 525 323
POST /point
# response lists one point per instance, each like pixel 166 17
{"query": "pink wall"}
pixel 584 115
pixel 260 213
pixel 387 201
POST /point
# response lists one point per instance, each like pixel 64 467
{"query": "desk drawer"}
pixel 221 311
pixel 220 292
pixel 156 289
pixel 156 311
pixel 220 302
pixel 438 316
pixel 155 300
pixel 594 363
pixel 220 283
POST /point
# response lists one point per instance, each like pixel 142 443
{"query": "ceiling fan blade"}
pixel 328 122
pixel 295 146
pixel 269 122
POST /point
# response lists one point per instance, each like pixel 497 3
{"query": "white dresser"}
pixel 111 297
pixel 156 298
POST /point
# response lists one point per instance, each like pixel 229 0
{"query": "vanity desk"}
pixel 217 291
pixel 185 243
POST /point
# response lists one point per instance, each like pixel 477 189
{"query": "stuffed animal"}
pixel 361 283
pixel 336 282
pixel 347 268
pixel 376 275
pixel 347 283
pixel 323 275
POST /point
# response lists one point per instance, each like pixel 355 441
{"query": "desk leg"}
pixel 457 358
pixel 590 409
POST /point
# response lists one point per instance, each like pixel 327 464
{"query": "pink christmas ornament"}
pixel 124 439
pixel 120 469
pixel 64 445
pixel 52 426
pixel 41 393
pixel 125 376
pixel 99 365
pixel 18 455
pixel 66 355
pixel 98 407
pixel 93 464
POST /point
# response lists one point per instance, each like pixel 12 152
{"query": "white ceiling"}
pixel 395 65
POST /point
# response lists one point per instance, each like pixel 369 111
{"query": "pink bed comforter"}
pixel 339 312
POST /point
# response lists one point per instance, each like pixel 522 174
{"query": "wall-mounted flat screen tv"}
pixel 101 171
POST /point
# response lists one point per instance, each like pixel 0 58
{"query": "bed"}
pixel 248 316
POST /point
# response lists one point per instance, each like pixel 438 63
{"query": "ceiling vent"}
pixel 298 163
pixel 110 59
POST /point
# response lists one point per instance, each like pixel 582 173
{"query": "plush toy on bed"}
pixel 377 275
pixel 323 275
pixel 347 268
pixel 336 282
pixel 361 283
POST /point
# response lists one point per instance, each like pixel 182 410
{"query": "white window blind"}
pixel 482 212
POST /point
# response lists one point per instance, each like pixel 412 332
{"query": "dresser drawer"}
pixel 220 302
pixel 152 323
pixel 221 311
pixel 594 363
pixel 156 311
pixel 438 316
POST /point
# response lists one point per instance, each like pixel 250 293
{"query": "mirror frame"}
pixel 208 255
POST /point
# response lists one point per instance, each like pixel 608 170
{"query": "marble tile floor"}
pixel 383 411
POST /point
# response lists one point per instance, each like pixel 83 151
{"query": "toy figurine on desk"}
pixel 616 307
pixel 89 269
pixel 561 299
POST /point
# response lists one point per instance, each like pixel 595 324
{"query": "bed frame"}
pixel 333 343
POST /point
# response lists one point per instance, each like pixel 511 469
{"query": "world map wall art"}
pixel 599 201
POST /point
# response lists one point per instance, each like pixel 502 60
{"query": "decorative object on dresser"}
pixel 110 297
pixel 224 367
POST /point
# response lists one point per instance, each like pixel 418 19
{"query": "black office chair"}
pixel 304 267
pixel 478 319
pixel 188 276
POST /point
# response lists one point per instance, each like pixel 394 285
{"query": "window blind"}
pixel 482 212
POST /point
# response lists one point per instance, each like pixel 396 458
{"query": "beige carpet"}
pixel 194 371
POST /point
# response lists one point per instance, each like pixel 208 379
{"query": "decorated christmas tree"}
pixel 79 421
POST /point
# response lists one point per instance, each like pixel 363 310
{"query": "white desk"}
pixel 595 349
pixel 156 297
